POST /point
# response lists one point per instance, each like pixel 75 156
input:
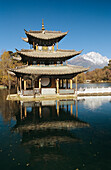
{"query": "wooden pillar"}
pixel 62 83
pixel 36 47
pixel 33 85
pixel 57 45
pixel 76 85
pixel 40 111
pixel 40 85
pixel 61 63
pixel 66 84
pixel 17 86
pixel 24 84
pixel 20 84
pixel 21 111
pixel 33 45
pixel 53 47
pixel 57 108
pixel 76 108
pixel 70 83
pixel 71 109
pixel 25 111
pixel 57 85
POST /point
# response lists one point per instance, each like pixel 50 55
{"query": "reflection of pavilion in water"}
pixel 45 125
pixel 48 115
pixel 45 108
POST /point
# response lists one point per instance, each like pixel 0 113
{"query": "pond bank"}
pixel 16 97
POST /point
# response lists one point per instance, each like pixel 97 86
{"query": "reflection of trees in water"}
pixel 7 108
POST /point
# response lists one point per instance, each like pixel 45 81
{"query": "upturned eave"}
pixel 46 55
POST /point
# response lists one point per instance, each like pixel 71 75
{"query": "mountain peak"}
pixel 92 59
pixel 95 58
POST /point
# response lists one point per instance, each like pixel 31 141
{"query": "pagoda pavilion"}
pixel 46 71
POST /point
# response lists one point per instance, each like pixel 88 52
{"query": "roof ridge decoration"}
pixel 43 25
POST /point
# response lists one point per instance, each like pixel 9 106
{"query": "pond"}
pixel 58 135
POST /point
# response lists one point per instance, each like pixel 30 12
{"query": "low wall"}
pixel 66 91
pixel 48 91
pixel 30 92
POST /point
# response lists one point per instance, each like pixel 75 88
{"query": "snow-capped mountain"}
pixel 91 59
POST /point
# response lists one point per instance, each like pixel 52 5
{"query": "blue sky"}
pixel 88 22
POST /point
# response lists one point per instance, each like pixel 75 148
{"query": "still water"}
pixel 58 135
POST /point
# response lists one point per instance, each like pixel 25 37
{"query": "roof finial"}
pixel 43 25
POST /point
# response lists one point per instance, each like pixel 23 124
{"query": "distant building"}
pixel 45 71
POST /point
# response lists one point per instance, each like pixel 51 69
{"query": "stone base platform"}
pixel 16 97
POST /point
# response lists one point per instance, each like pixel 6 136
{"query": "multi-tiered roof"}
pixel 43 57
